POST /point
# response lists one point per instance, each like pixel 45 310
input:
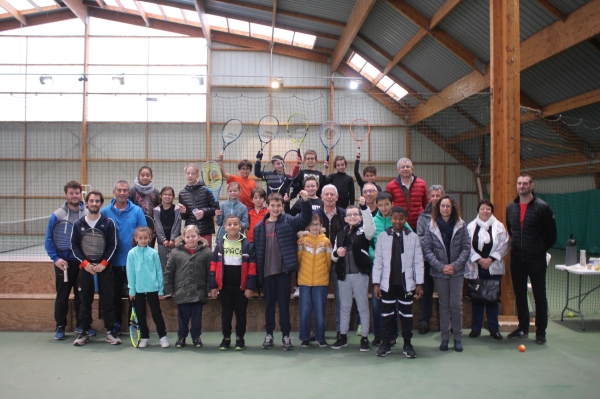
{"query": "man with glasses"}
pixel 409 191
pixel 369 192
pixel 246 184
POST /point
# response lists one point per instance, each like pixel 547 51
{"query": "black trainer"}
pixel 225 344
pixel 518 334
pixel 384 350
pixel 474 334
pixel 197 342
pixel 180 342
pixel 240 344
pixel 423 328
pixel 305 343
pixel 376 341
pixel 341 342
pixel 496 335
pixel 409 351
pixel 540 339
pixel 364 344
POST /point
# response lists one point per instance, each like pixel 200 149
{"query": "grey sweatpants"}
pixel 357 284
pixel 163 255
pixel 450 297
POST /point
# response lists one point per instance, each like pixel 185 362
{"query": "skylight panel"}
pixel 151 8
pixel 239 27
pixel 304 40
pixel 193 16
pixel 129 4
pixel 21 5
pixel 283 36
pixel 113 3
pixel 172 12
pixel 396 92
pixel 370 72
pixel 217 23
pixel 45 3
pixel 260 31
pixel 357 62
pixel 385 83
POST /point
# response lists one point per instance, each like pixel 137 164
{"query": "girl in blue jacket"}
pixel 232 206
pixel 145 279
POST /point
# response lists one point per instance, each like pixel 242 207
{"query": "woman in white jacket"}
pixel 489 241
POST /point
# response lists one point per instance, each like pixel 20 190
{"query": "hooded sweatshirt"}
pixel 62 213
pixel 126 221
pixel 230 207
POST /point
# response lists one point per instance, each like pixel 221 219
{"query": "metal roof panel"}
pixel 337 10
pixel 534 17
pixel 568 6
pixel 308 24
pixel 214 7
pixel 405 78
pixel 426 8
pixel 370 52
pixel 327 43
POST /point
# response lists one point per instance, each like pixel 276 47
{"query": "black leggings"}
pixel 157 317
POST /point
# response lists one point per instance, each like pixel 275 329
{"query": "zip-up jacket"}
pixel 187 275
pixel 435 253
pixel 198 197
pixel 126 221
pixel 144 272
pixel 248 268
pixel 314 258
pixel 419 198
pixel 412 260
pixel 538 234
pixel 230 207
pixel 381 223
pixel 62 213
pixel 359 239
pixel 286 228
pixel 424 220
pixel 160 231
pixel 334 225
pixel 107 226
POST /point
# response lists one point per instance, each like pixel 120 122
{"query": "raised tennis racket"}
pixel 330 134
pixel 212 175
pixel 268 128
pixel 93 245
pixel 231 132
pixel 134 328
pixel 150 223
pixel 292 163
pixel 297 129
pixel 61 237
pixel 360 130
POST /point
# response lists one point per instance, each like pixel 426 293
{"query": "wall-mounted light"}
pixel 355 83
pixel 120 80
pixel 83 78
pixel 276 83
pixel 46 79
pixel 200 79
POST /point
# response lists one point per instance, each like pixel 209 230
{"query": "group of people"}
pixel 405 240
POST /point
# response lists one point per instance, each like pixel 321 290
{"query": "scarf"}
pixel 143 189
pixel 446 228
pixel 484 227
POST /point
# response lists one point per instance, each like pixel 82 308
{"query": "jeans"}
pixel 187 312
pixel 336 293
pixel 277 290
pixel 491 309
pixel 427 298
pixel 233 301
pixel 377 322
pixel 312 300
pixel 536 271
pixel 86 293
pixel 157 317
pixel 63 290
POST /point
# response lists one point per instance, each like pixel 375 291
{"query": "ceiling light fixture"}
pixel 355 84
pixel 200 79
pixel 276 83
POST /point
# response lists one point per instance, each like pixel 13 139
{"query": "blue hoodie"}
pixel 126 221
pixel 62 213
pixel 144 272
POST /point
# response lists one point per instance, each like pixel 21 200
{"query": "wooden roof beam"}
pixel 102 4
pixel 582 100
pixel 401 54
pixel 359 14
pixel 442 12
pixel 13 11
pixel 39 19
pixel 78 9
pixel 35 5
pixel 553 10
pixel 141 11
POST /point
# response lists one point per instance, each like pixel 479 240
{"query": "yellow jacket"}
pixel 314 259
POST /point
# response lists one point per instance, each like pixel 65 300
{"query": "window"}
pixel 304 40
pixel 217 23
pixel 370 72
pixel 396 92
pixel 385 83
pixel 357 62
pixel 283 36
pixel 239 27
pixel 261 31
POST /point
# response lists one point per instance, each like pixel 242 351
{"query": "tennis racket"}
pixel 330 134
pixel 212 175
pixel 150 223
pixel 297 129
pixel 61 237
pixel 268 128
pixel 134 328
pixel 231 132
pixel 360 130
pixel 93 244
pixel 292 163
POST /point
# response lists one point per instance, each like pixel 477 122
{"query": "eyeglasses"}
pixel 352 215
pixel 405 167
pixel 315 225
pixel 369 191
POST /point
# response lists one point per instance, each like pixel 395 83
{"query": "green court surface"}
pixel 35 366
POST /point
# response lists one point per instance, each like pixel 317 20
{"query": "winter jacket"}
pixel 231 207
pixel 538 234
pixel 175 230
pixel 126 220
pixel 187 275
pixel 107 227
pixel 286 228
pixel 314 258
pixel 144 272
pixel 419 198
pixel 254 219
pixel 62 213
pixel 412 260
pixel 198 197
pixel 359 241
pixel 381 223
pixel 248 267
pixel 435 253
pixel 145 201
pixel 499 250
pixel 334 225
pixel 345 187
pixel 424 220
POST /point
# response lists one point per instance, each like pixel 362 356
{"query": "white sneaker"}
pixel 164 342
pixel 113 338
pixel 144 343
pixel 296 293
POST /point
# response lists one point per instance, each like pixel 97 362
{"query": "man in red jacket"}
pixel 409 191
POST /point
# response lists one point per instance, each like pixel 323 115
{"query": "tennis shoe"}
pixel 82 339
pixel 180 342
pixel 409 351
pixel 384 350
pixel 341 342
pixel 268 343
pixel 364 344
pixel 359 330
pixel 518 334
pixel 113 338
pixel 144 342
pixel 197 342
pixel 296 293
pixel 225 344
pixel 164 342
pixel 376 341
pixel 60 333
pixel 286 342
pixel 305 343
pixel 240 344
pixel 91 331
pixel 323 344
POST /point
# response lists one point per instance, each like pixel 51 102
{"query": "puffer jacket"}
pixel 435 253
pixel 382 223
pixel 424 220
pixel 314 258
pixel 248 268
pixel 538 234
pixel 499 250
pixel 286 228
pixel 187 275
pixel 412 260
pixel 198 197
pixel 419 198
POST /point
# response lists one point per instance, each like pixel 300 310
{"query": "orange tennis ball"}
pixel 521 348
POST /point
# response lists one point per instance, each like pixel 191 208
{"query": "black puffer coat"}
pixel 199 197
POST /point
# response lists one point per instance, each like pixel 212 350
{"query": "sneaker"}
pixel 113 338
pixel 323 344
pixel 376 341
pixel 296 293
pixel 474 334
pixel 180 342
pixel 518 334
pixel 144 342
pixel 117 328
pixel 82 339
pixel 197 342
pixel 60 333
pixel 540 339
pixel 423 328
pixel 384 350
pixel 458 346
pixel 225 344
pixel 496 335
pixel 305 343
pixel 359 330
pixel 268 342
pixel 341 342
pixel 313 336
pixel 409 351
pixel 393 342
pixel 91 331
pixel 240 344
pixel 164 342
pixel 287 343
pixel 444 345
pixel 364 344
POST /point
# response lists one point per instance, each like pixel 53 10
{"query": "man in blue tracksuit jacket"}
pixel 127 217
